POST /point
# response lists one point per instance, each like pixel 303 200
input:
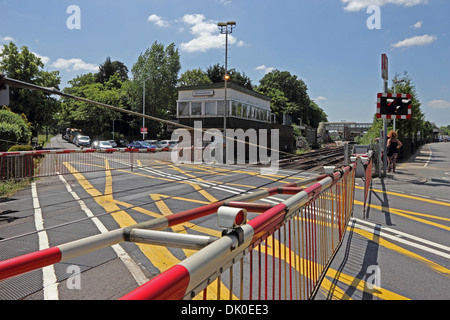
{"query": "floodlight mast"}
pixel 226 28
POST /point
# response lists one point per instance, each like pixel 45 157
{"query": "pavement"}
pixel 399 247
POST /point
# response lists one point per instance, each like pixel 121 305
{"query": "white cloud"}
pixel 224 2
pixel 358 5
pixel 417 25
pixel 206 34
pixel 320 98
pixel 74 65
pixel 6 39
pixel 415 41
pixel 44 59
pixel 439 104
pixel 158 21
pixel 265 69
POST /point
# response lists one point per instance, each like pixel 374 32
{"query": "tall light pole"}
pixel 143 109
pixel 226 28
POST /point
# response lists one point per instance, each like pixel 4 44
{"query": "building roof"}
pixel 221 85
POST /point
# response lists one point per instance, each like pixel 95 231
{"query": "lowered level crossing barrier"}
pixel 283 253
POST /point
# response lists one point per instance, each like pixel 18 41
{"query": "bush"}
pixel 13 129
pixel 21 148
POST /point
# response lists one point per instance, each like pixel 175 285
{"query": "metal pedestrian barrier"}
pixel 45 163
pixel 283 253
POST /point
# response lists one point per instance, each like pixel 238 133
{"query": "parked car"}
pixel 82 141
pixel 141 145
pixel 113 143
pixel 94 144
pixel 167 145
pixel 104 145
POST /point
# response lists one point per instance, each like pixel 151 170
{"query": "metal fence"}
pixel 283 253
pixel 44 163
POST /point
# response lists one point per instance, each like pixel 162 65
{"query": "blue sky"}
pixel 327 43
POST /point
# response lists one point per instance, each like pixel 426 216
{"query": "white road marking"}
pixel 428 161
pixel 401 237
pixel 134 269
pixel 50 282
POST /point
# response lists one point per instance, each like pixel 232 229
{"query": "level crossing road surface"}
pixel 398 248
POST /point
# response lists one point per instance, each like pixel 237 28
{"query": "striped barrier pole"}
pixel 36 260
pixel 191 276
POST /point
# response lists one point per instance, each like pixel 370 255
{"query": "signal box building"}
pixel 246 109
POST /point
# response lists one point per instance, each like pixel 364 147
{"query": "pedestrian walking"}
pixel 393 145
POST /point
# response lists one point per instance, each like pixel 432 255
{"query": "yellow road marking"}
pixel 409 215
pixel 398 249
pixel 159 256
pixel 441 203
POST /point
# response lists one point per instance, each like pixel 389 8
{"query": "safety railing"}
pixel 44 163
pixel 281 254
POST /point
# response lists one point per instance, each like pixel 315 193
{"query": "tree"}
pixel 289 95
pixel 158 67
pixel 108 69
pixel 95 121
pixel 405 128
pixel 409 128
pixel 216 74
pixel 23 65
pixel 193 78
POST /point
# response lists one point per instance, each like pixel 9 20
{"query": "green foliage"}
pixel 194 77
pixel 290 95
pixel 13 129
pixel 93 120
pixel 158 66
pixel 405 128
pixel 216 74
pixel 21 148
pixel 23 65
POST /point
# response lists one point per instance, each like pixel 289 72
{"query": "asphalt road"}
pixel 400 244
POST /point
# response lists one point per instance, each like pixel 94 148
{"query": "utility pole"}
pixel 226 28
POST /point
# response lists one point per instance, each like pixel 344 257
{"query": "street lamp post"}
pixel 226 28
pixel 143 110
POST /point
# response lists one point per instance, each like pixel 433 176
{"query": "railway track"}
pixel 315 160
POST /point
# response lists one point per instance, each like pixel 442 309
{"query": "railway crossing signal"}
pixel 394 106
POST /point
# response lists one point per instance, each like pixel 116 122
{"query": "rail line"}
pixel 315 160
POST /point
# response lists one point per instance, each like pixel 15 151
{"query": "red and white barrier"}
pixel 193 275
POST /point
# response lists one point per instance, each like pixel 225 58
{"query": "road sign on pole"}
pixel 394 106
pixel 384 67
pixel 144 130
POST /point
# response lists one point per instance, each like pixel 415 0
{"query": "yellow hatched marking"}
pixel 159 256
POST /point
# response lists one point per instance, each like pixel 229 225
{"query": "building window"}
pixel 220 107
pixel 196 108
pixel 183 109
pixel 210 108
